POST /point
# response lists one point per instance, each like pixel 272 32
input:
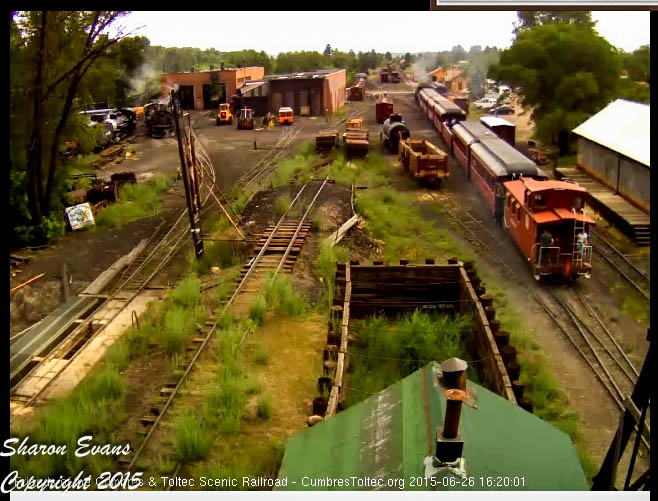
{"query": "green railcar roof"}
pixel 389 435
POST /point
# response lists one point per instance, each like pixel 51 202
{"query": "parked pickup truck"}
pixel 485 103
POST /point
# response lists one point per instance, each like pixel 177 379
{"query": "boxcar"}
pixel 557 207
pixel 383 110
pixel 466 134
pixel 493 162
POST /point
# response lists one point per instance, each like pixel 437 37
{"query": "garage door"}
pixel 277 101
pixel 316 103
pixel 304 108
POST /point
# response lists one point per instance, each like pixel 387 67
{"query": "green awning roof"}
pixel 386 438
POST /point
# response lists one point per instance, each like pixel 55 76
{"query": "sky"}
pixel 361 31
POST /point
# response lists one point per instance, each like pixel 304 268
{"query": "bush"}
pixel 281 204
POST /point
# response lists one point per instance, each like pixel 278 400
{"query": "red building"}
pixel 202 90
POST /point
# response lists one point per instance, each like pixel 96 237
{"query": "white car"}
pixel 485 103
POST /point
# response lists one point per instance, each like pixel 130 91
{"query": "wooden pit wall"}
pixel 363 290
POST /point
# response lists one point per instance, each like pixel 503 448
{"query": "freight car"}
pixel 393 130
pixel 383 110
pixel 423 160
pixel 356 137
pixel 326 140
pixel 547 221
pixel 357 91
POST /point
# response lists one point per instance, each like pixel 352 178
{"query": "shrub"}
pixel 261 354
pixel 187 293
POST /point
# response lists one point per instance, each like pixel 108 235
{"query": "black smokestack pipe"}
pixel 453 412
pixel 454 373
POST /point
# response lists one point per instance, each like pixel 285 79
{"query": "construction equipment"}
pixel 246 119
pixel 224 114
pixel 285 115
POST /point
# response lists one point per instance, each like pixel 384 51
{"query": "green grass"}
pixel 261 353
pixel 258 310
pixel 281 204
pixel 298 165
pixel 325 269
pixel 282 298
pixel 187 293
pixel 177 325
pixel 135 201
pixel 191 439
pixel 391 350
pixel 252 386
pixel 264 406
pixel 220 254
pixel 318 222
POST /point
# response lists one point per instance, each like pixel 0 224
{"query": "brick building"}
pixel 201 90
pixel 311 93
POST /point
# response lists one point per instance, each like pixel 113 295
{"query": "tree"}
pixel 407 59
pixel 388 56
pixel 637 64
pixel 529 19
pixel 59 50
pixel 327 50
pixel 567 71
pixel 458 53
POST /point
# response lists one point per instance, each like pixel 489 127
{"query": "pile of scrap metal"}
pixel 355 137
pixel 101 192
pixel 326 140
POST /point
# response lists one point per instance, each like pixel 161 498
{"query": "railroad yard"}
pixel 293 277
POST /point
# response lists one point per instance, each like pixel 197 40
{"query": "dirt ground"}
pixel 585 393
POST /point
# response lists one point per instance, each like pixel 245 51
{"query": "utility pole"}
pixel 193 206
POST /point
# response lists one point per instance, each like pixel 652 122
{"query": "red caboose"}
pixel 547 221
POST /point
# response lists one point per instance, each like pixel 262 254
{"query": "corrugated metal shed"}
pixel 389 435
pixel 623 126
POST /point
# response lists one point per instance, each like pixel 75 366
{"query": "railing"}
pixel 546 255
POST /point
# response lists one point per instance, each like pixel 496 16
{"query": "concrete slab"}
pixel 99 345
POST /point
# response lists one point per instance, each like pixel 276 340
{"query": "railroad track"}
pixel 168 238
pixel 620 263
pixel 569 311
pixel 276 251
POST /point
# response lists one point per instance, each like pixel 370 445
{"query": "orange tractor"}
pixel 224 114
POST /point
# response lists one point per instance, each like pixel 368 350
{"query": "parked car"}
pixel 502 110
pixel 485 103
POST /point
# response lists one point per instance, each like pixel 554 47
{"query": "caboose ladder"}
pixel 577 228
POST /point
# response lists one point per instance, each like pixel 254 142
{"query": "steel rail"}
pixel 542 303
pixel 299 227
pixel 212 329
pixel 616 267
pixel 175 247
pixel 257 258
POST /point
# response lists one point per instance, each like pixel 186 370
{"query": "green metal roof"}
pixel 389 435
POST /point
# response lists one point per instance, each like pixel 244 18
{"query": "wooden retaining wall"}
pixel 363 290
